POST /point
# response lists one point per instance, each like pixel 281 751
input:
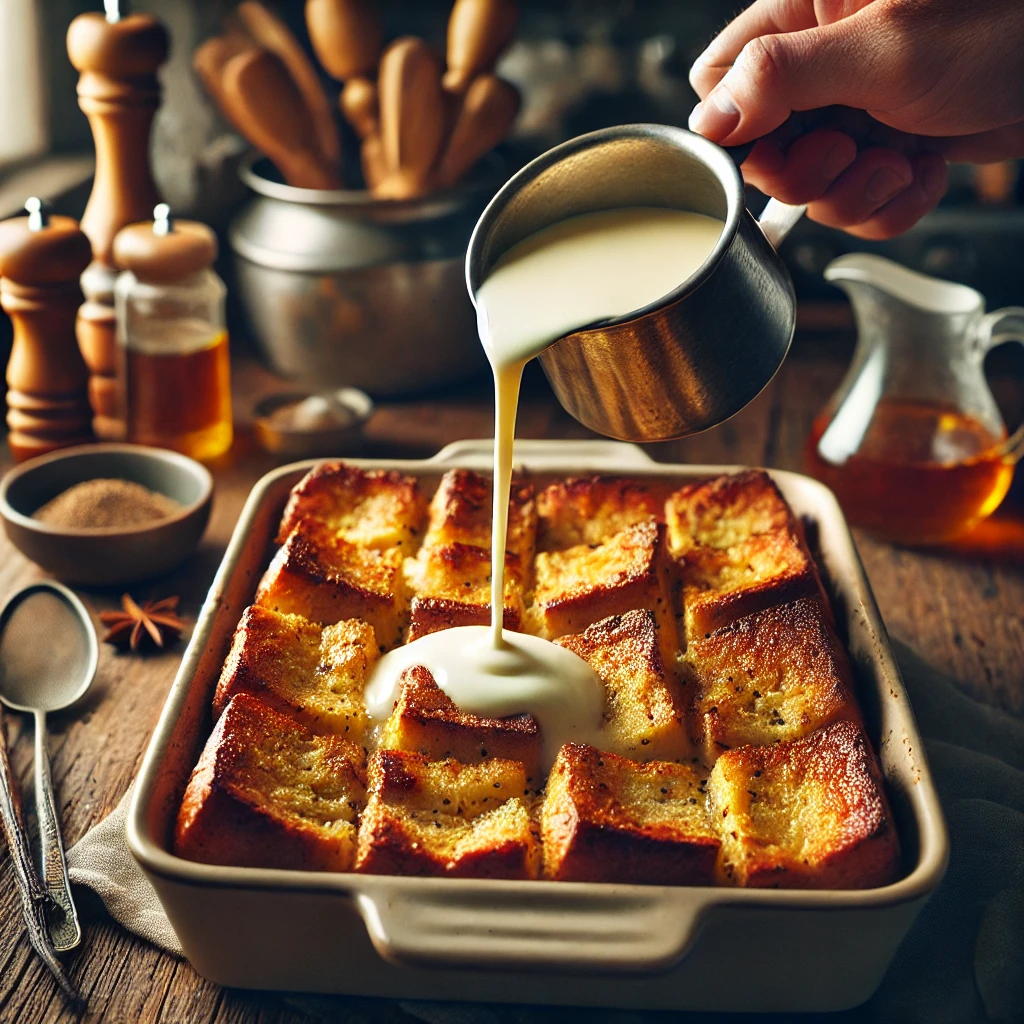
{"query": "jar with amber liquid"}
pixel 172 337
pixel 913 444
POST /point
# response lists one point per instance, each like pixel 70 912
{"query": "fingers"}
pixel 931 177
pixel 874 194
pixel 762 18
pixel 774 75
pixel 805 170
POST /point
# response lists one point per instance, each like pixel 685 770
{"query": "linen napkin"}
pixel 963 960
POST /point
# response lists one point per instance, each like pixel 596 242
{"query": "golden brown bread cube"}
pixel 609 819
pixel 460 513
pixel 644 716
pixel 581 585
pixel 775 675
pixel 591 510
pixel 810 814
pixel 373 508
pixel 427 817
pixel 738 548
pixel 426 721
pixel 269 793
pixel 452 584
pixel 328 579
pixel 314 673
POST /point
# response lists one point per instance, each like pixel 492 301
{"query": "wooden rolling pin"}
pixel 346 36
pixel 413 117
pixel 478 31
pixel 484 118
pixel 272 34
pixel 263 102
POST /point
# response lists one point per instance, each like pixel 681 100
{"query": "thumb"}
pixel 775 75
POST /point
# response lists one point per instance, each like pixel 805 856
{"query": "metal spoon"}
pixel 48 654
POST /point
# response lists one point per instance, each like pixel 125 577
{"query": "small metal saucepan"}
pixel 695 357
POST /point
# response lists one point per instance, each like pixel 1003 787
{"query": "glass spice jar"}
pixel 172 336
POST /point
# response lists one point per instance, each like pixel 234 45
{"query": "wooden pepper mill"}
pixel 119 93
pixel 41 260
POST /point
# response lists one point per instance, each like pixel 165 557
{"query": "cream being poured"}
pixel 589 268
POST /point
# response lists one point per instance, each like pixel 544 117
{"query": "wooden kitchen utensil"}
pixel 359 105
pixel 264 103
pixel 41 260
pixel 478 31
pixel 484 118
pixel 274 35
pixel 413 117
pixel 118 91
pixel 346 36
pixel 208 62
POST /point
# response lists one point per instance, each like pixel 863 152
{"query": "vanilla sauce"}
pixel 583 270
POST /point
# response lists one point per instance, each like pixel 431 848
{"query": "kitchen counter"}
pixel 962 607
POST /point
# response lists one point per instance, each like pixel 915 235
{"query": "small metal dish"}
pixel 107 556
pixel 298 440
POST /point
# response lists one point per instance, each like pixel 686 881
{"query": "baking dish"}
pixel 544 942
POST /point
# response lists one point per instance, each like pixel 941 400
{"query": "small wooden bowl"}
pixel 109 555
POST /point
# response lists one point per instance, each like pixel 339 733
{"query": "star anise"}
pixel 155 621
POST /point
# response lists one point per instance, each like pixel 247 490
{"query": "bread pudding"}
pixel 732 751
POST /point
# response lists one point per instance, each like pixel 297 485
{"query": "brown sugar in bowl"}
pixel 113 555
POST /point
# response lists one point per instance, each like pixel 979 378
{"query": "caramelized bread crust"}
pixel 374 508
pixel 738 550
pixel 460 513
pixel 591 510
pixel 644 703
pixel 269 793
pixel 425 720
pixel 776 675
pixel 328 579
pixel 609 819
pixel 446 818
pixel 314 673
pixel 581 585
pixel 810 814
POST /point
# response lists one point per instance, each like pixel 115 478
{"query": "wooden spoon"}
pixel 208 62
pixel 265 104
pixel 346 36
pixel 274 35
pixel 478 31
pixel 488 109
pixel 413 117
pixel 359 105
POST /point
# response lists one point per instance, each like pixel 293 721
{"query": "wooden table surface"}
pixel 963 608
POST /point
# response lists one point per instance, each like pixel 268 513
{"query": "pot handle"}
pixel 442 922
pixel 778 219
pixel 997 327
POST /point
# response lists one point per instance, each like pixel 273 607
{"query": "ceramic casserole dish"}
pixel 584 944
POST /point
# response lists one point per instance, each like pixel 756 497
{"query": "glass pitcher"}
pixel 913 443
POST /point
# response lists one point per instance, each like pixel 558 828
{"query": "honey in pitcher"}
pixel 179 395
pixel 922 474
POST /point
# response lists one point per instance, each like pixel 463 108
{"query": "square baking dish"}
pixel 584 944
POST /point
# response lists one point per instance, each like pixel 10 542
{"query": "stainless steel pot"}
pixel 341 289
pixel 700 354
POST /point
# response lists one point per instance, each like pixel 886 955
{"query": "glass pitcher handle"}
pixel 1001 325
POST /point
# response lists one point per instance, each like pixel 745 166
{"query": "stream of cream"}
pixel 583 270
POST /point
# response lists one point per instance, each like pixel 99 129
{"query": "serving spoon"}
pixel 48 655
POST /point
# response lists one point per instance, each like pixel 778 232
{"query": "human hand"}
pixel 898 87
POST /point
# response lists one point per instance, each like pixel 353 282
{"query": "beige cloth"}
pixel 963 960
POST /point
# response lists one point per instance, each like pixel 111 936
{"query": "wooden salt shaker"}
pixel 119 93
pixel 41 260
